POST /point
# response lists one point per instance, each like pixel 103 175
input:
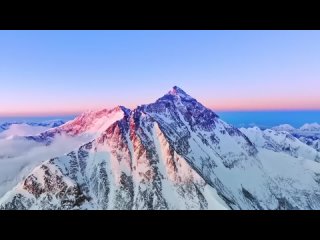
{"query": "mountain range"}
pixel 172 154
pixel 50 124
pixel 309 133
pixel 21 128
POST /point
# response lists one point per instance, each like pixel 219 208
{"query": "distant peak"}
pixel 103 112
pixel 310 127
pixel 284 127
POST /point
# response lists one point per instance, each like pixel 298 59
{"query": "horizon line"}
pixel 44 114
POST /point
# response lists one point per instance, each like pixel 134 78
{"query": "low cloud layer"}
pixel 22 130
pixel 19 156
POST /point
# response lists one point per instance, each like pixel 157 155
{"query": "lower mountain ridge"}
pixel 174 154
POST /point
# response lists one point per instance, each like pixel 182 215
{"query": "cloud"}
pixel 19 156
pixel 22 130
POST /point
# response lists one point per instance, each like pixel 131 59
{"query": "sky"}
pixel 67 72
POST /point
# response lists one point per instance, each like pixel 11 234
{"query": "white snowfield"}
pixel 171 154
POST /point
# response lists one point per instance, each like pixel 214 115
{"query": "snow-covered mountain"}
pixel 308 127
pixel 20 153
pixel 46 124
pixel 311 141
pixel 20 128
pixel 309 133
pixel 87 126
pixel 171 154
pixel 284 127
pixel 281 141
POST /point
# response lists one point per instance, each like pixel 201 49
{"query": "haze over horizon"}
pixel 68 72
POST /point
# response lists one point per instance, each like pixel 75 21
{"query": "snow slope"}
pixel 25 145
pixel 281 141
pixel 87 126
pixel 18 156
pixel 309 133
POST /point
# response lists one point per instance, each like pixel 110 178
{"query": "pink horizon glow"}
pixel 225 105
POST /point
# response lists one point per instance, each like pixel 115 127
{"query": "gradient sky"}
pixel 66 72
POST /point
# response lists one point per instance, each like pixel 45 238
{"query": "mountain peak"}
pixel 310 127
pixel 121 108
pixel 176 91
pixel 284 127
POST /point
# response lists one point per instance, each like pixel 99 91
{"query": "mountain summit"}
pixel 176 91
pixel 171 154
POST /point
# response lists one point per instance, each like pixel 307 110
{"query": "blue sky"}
pixel 63 72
